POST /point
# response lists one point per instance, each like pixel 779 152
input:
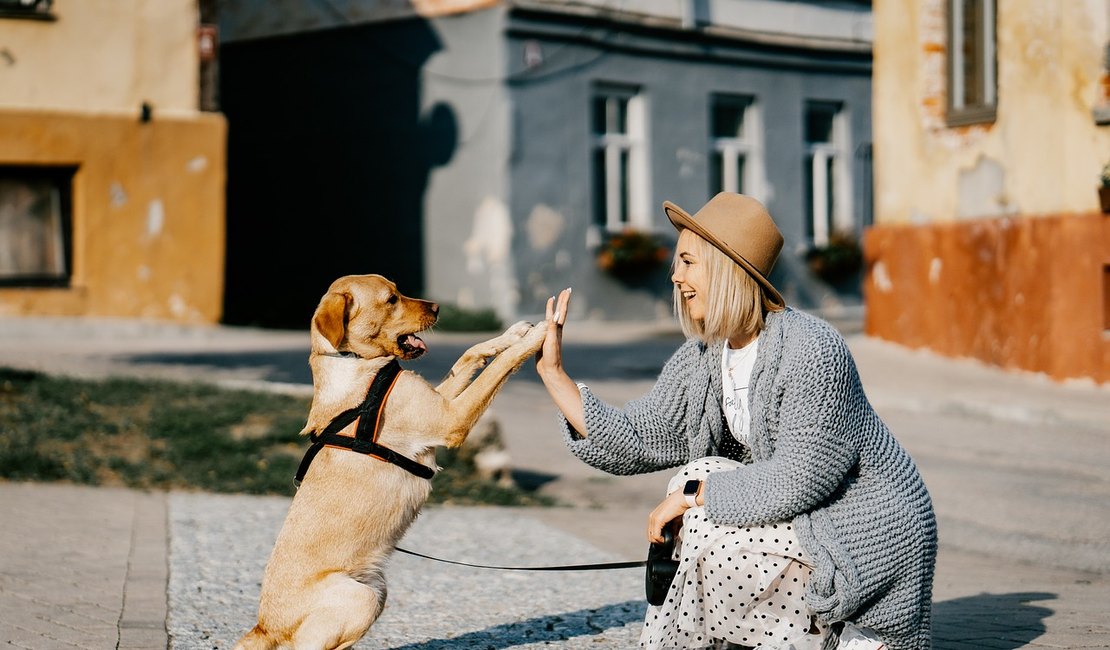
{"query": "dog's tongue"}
pixel 416 342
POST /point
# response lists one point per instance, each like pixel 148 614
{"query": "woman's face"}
pixel 690 275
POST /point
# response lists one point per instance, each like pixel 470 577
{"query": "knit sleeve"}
pixel 648 434
pixel 813 452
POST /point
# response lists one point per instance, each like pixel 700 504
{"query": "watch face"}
pixel 691 487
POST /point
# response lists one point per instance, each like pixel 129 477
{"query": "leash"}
pixel 631 564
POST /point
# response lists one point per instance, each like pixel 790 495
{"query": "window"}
pixel 735 158
pixel 38 9
pixel 972 86
pixel 828 189
pixel 619 161
pixel 35 226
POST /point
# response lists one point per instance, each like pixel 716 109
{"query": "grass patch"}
pixel 453 318
pixel 162 434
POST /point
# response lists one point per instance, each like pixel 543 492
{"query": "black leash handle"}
pixel 566 567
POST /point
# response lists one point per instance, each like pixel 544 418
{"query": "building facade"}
pixel 111 179
pixel 992 127
pixel 490 153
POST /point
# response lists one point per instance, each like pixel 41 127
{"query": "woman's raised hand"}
pixel 549 361
pixel 549 365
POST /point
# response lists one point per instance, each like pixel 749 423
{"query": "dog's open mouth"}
pixel 412 345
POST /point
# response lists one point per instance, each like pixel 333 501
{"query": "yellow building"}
pixel 991 128
pixel 111 178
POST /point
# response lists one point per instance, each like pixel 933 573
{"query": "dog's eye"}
pixel 392 299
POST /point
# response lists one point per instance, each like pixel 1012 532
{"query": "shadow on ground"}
pixel 641 359
pixel 557 627
pixel 960 622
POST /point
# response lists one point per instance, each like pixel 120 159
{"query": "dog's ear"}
pixel 331 318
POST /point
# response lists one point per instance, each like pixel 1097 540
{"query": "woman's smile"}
pixel 689 275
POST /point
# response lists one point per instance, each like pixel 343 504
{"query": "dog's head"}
pixel 366 315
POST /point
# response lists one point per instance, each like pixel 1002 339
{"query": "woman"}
pixel 804 524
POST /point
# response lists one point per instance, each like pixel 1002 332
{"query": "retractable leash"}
pixel 631 564
pixel 661 568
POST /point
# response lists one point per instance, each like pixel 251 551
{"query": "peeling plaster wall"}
pixel 1044 145
pixel 147 198
pixel 148 214
pixel 996 290
pixel 103 55
pixel 988 242
pixel 470 228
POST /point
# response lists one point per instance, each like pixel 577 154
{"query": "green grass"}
pixel 453 318
pixel 162 434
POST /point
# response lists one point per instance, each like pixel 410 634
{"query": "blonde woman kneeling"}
pixel 804 524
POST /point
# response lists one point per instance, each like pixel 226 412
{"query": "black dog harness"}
pixel 365 440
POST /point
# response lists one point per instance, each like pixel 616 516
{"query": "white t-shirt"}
pixel 736 373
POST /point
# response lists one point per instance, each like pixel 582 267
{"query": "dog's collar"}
pixel 365 440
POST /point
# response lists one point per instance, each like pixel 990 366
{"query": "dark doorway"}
pixel 328 160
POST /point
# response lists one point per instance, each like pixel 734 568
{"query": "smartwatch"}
pixel 690 491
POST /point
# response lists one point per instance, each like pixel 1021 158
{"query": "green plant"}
pixel 453 318
pixel 630 253
pixel 1106 175
pixel 838 260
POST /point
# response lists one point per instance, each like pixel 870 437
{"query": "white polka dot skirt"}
pixel 741 586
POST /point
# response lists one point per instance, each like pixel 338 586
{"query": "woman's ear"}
pixel 330 320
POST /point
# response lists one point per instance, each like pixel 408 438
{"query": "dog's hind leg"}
pixel 476 358
pixel 343 610
pixel 256 639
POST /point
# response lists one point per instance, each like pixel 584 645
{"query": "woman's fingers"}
pixel 560 316
pixel 670 509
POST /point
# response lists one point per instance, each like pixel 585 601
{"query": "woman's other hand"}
pixel 673 507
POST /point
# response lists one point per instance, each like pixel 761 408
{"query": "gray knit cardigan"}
pixel 821 457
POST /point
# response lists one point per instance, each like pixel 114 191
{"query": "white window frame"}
pixel 633 142
pixel 746 145
pixel 836 150
pixel 959 112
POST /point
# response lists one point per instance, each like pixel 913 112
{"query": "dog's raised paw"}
pixel 518 330
pixel 535 336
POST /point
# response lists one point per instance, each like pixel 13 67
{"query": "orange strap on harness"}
pixel 365 441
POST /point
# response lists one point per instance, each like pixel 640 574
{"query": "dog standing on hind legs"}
pixel 323 587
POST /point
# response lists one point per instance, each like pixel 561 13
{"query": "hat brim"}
pixel 681 219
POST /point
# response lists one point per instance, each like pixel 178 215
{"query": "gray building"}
pixel 490 153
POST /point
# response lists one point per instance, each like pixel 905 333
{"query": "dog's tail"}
pixel 256 639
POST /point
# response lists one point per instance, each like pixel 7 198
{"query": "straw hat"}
pixel 740 227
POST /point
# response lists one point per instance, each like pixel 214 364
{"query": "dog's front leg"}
pixel 465 409
pixel 476 358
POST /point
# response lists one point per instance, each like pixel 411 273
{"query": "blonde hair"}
pixel 735 301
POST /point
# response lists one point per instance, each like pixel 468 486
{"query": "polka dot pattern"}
pixel 745 586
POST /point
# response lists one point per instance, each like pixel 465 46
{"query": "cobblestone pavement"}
pixel 220 545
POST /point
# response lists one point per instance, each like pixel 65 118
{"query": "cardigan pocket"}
pixel 834 591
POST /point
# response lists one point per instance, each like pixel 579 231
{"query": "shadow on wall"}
pixel 329 156
pixel 959 622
